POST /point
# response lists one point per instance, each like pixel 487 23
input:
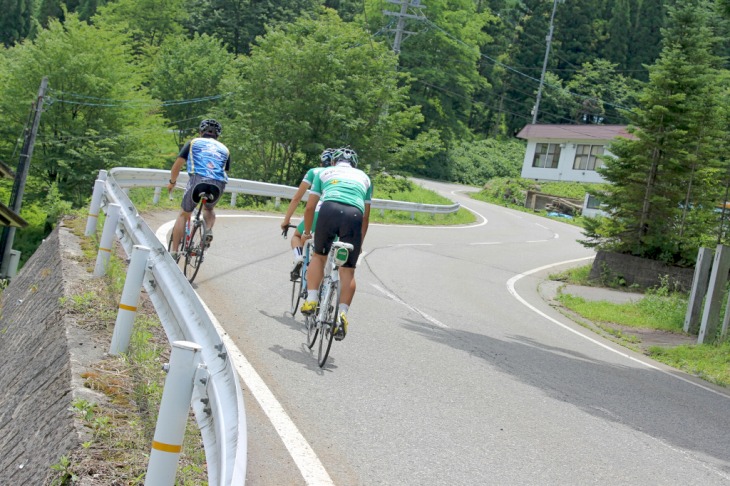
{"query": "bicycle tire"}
pixel 195 252
pixel 312 329
pixel 327 332
pixel 296 291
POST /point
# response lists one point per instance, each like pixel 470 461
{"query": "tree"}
pixel 645 35
pixel 15 22
pixel 148 22
pixel 667 182
pixel 314 84
pixel 238 22
pixel 97 114
pixel 617 44
pixel 186 74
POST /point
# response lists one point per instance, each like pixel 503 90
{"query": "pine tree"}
pixel 617 47
pixel 667 182
pixel 15 22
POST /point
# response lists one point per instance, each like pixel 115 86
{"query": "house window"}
pixel 586 157
pixel 547 155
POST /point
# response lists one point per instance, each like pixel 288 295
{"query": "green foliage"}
pixel 665 183
pixel 188 69
pixel 97 114
pixel 313 84
pixel 477 162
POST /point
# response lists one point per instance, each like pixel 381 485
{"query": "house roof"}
pixel 574 132
pixel 8 217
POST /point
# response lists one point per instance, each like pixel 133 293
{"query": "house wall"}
pixel 564 171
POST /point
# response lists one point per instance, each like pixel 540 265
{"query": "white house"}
pixel 567 152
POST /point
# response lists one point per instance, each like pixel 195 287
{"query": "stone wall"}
pixel 644 273
pixel 40 351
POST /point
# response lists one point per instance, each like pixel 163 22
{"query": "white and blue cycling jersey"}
pixel 207 157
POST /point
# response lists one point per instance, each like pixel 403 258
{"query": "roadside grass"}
pixel 660 309
pixel 119 428
pixel 386 187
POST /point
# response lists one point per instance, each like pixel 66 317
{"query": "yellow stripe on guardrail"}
pixel 128 307
pixel 160 446
pixel 108 250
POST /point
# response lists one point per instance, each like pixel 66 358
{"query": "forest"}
pixel 440 92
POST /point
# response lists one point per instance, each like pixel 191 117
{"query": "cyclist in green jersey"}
pixel 296 240
pixel 345 192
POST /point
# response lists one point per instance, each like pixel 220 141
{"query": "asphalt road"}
pixel 454 370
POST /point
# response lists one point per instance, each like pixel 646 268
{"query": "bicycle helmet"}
pixel 345 155
pixel 211 127
pixel 326 157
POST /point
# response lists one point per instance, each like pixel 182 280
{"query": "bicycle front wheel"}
pixel 312 329
pixel 195 251
pixel 329 322
pixel 296 294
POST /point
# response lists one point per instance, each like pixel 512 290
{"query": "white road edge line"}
pixel 511 287
pixel 304 457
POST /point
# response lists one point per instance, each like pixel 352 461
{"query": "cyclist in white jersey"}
pixel 296 240
pixel 346 193
pixel 207 161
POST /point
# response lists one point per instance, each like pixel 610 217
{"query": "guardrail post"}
pixel 713 301
pixel 233 199
pixel 130 298
pixel 172 418
pixel 156 197
pixel 277 202
pixel 107 239
pixel 95 206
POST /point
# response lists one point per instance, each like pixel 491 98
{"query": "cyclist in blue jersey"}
pixel 296 240
pixel 207 161
pixel 346 193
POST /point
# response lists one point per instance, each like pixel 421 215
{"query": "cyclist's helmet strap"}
pixel 210 127
pixel 345 154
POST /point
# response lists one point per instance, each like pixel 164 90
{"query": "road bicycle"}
pixel 299 280
pixel 197 236
pixel 324 321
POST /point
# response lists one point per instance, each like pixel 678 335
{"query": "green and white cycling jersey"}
pixel 343 184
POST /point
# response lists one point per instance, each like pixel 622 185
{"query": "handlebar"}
pixel 286 230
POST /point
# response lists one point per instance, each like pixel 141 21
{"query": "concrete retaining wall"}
pixel 40 351
pixel 642 272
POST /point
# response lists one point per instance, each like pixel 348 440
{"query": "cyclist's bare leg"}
pixel 348 285
pixel 315 271
pixel 179 229
pixel 209 217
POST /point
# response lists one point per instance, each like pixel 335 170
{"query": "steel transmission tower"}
pixel 415 7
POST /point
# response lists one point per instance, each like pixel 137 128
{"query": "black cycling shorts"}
pixel 196 184
pixel 339 220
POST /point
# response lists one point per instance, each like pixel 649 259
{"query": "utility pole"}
pixel 549 40
pixel 402 16
pixel 16 197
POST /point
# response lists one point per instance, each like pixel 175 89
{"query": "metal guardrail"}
pixel 130 177
pixel 217 396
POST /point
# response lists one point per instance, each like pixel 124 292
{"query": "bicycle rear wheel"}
pixel 195 251
pixel 327 333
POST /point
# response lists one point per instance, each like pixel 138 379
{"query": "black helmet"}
pixel 211 127
pixel 345 155
pixel 326 157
